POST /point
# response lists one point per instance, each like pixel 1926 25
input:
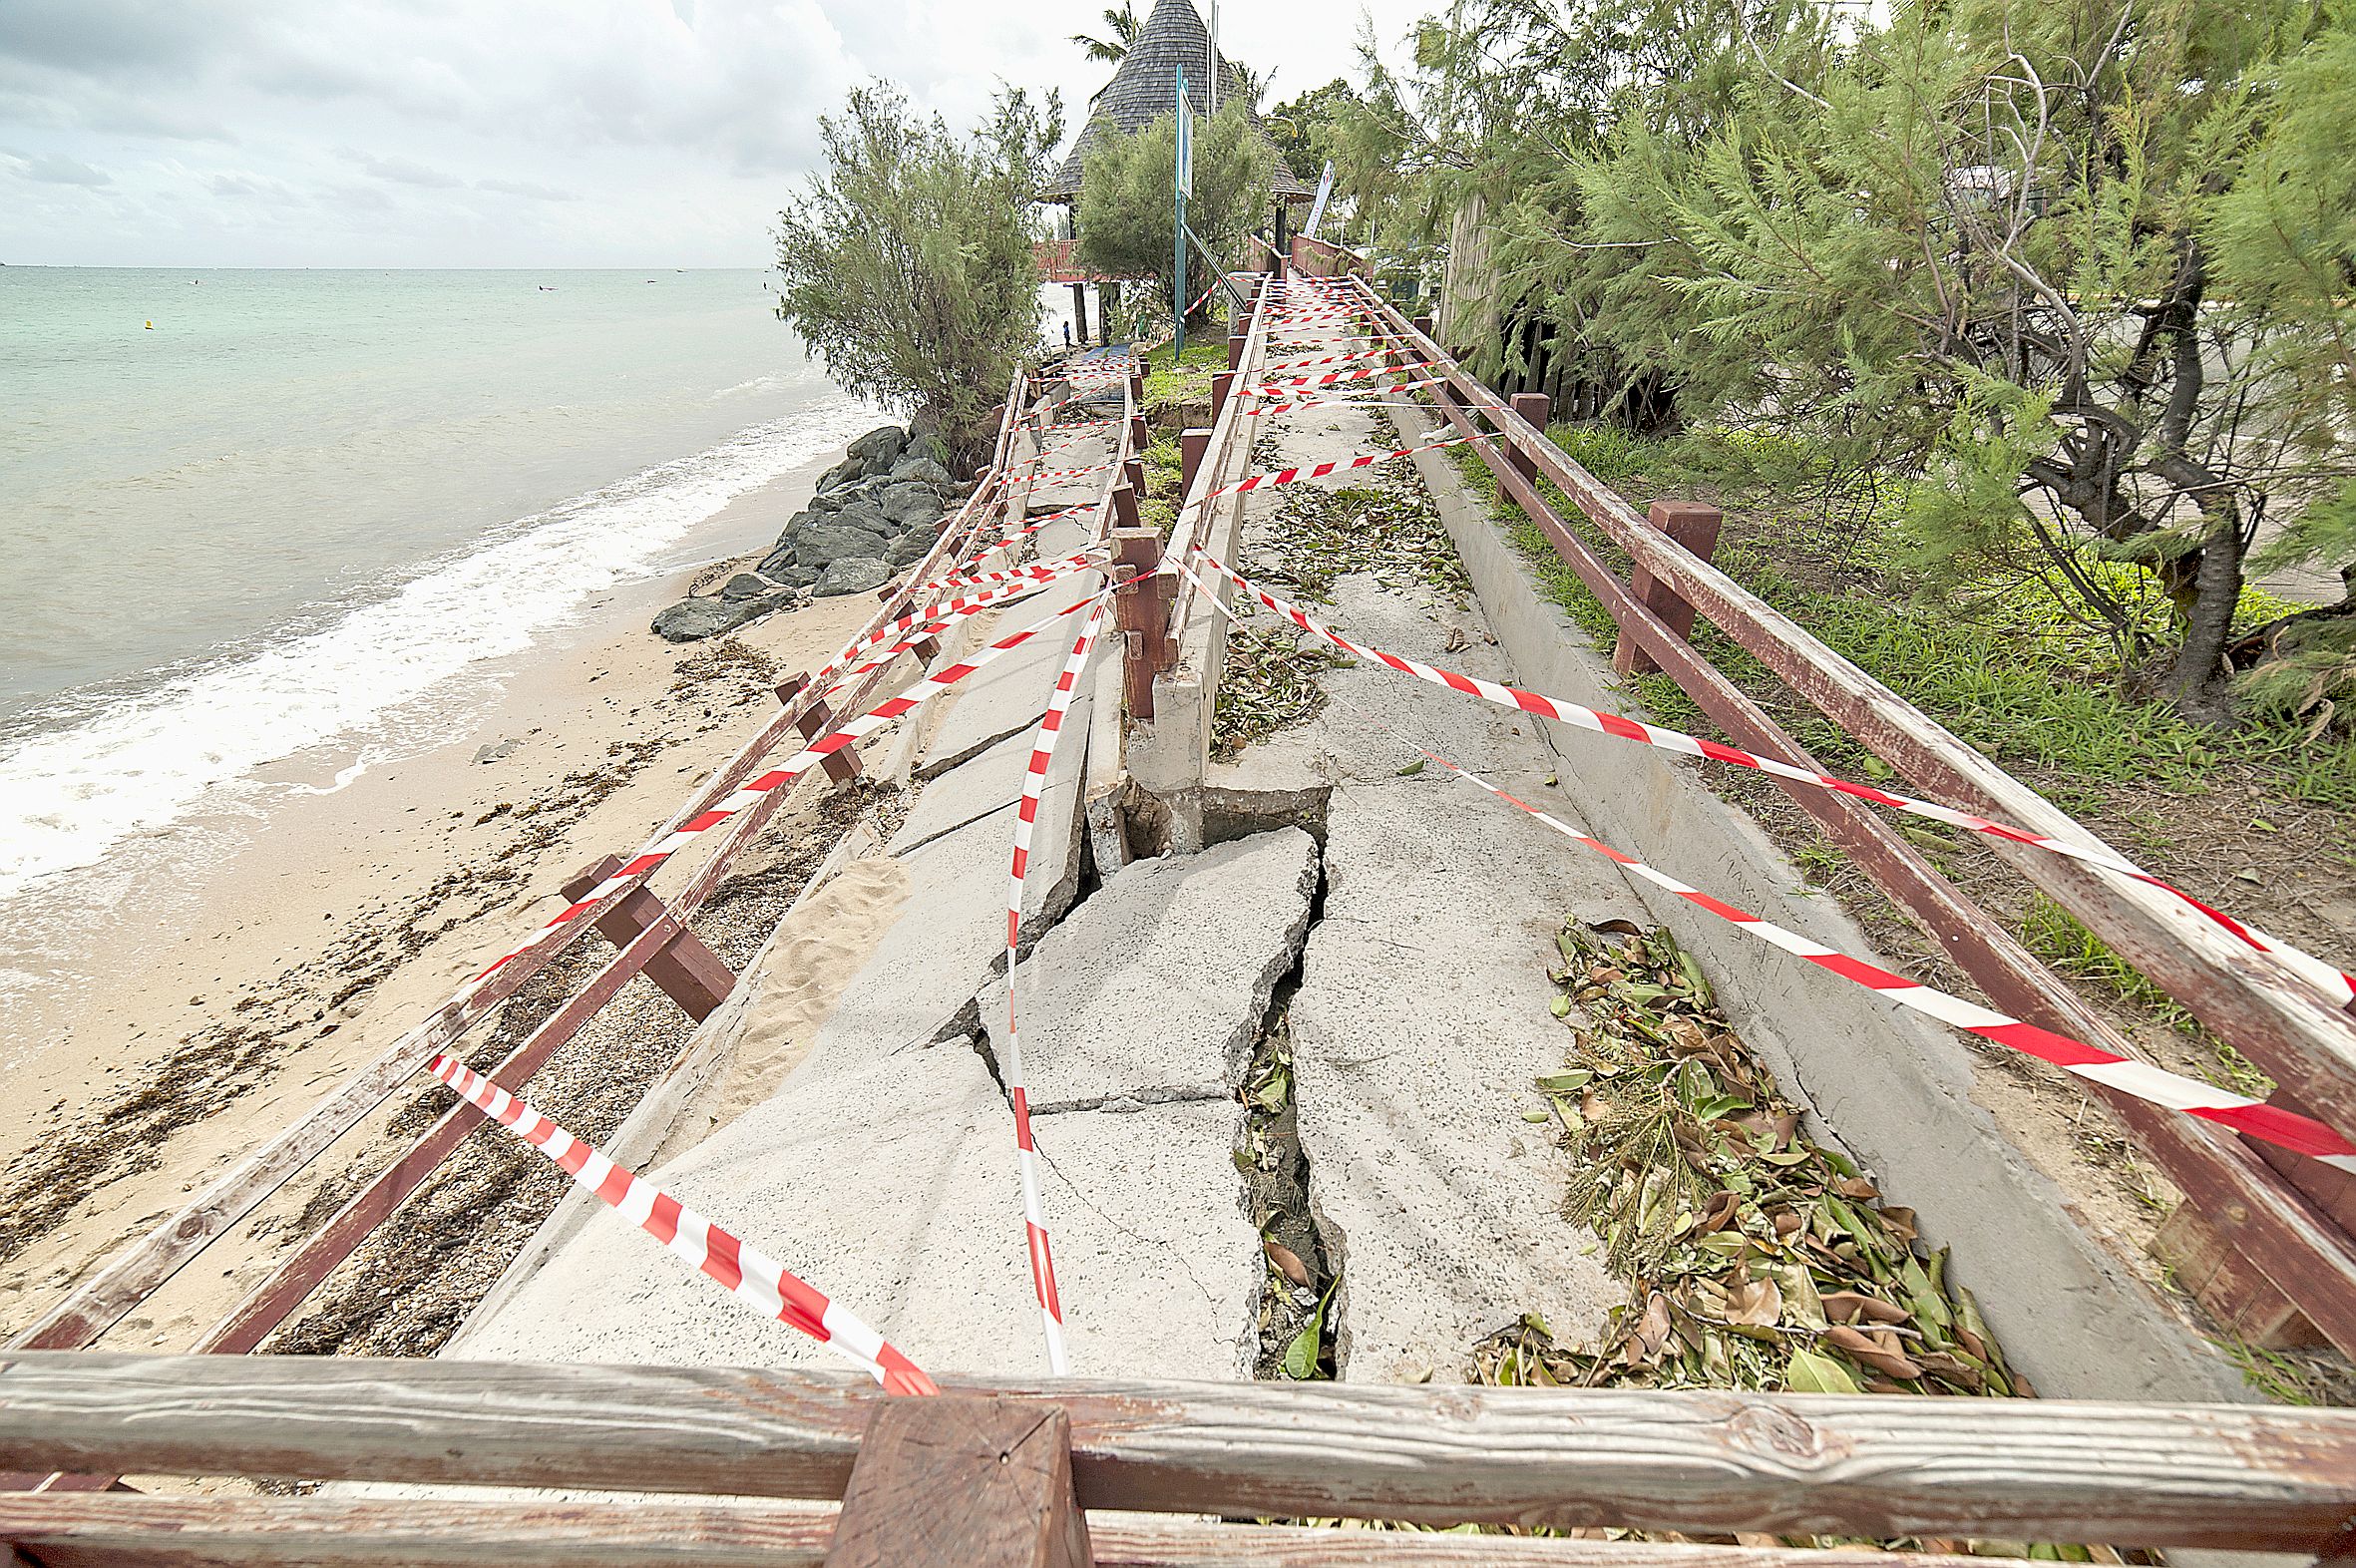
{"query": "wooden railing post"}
pixel 689 972
pixel 1141 608
pixel 1140 434
pixel 1137 386
pixel 1694 525
pixel 1124 509
pixel 841 766
pixel 963 1481
pixel 1538 409
pixel 1235 350
pixel 1193 446
pixel 1222 385
pixel 1133 474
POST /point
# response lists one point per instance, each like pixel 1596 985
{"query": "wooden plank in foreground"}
pixel 253 1532
pixel 962 1482
pixel 2256 1477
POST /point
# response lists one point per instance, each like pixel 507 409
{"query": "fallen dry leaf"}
pixel 1858 1347
pixel 1287 1263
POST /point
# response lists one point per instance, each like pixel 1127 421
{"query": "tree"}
pixel 1127 219
pixel 1123 22
pixel 908 265
pixel 2080 272
pixel 1304 126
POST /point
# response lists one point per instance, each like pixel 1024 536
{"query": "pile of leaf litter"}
pixel 1392 533
pixel 1270 683
pixel 1755 1257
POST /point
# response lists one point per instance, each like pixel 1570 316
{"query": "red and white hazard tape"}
pixel 1012 584
pixel 1332 378
pixel 1349 401
pixel 743 1270
pixel 660 850
pixel 2121 1074
pixel 1346 359
pixel 1035 779
pixel 2328 978
pixel 1290 476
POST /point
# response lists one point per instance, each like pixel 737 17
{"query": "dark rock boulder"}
pixel 911 548
pixel 820 546
pixel 782 568
pixel 843 473
pixel 919 469
pixel 694 620
pixel 851 575
pixel 745 585
pixel 865 517
pixel 877 449
pixel 909 504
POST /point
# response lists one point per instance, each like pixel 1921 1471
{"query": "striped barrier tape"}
pixel 1025 580
pixel 1347 359
pixel 1332 378
pixel 1290 476
pixel 1205 297
pixel 1035 779
pixel 2328 978
pixel 1347 401
pixel 884 713
pixel 742 1269
pixel 2121 1074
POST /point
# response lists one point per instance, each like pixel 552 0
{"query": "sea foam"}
pixel 117 765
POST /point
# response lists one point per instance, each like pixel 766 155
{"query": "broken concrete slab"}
pixel 1009 695
pixel 1421 1021
pixel 1159 1268
pixel 992 781
pixel 951 934
pixel 1155 988
pixel 892 1187
pixel 1897 1092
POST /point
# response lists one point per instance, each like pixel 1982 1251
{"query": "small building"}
pixel 1144 88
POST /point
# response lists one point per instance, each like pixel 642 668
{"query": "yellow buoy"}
pixel 150 326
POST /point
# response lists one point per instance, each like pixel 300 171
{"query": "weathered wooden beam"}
pixel 2250 1476
pixel 963 1481
pixel 1691 525
pixel 688 972
pixel 262 1532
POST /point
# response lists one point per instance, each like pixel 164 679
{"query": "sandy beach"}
pixel 220 998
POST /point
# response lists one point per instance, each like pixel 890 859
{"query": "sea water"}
pixel 246 514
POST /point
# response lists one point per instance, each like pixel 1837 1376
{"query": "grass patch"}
pixel 2004 664
pixel 1187 380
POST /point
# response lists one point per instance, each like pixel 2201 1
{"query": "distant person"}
pixel 1067 337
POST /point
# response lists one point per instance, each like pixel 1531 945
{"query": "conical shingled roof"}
pixel 1147 88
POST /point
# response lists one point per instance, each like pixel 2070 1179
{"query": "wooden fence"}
pixel 1000 1473
pixel 2266 1239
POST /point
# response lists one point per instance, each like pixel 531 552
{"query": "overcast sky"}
pixel 503 132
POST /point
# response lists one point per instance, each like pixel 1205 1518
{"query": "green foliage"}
pixel 908 265
pixel 1128 217
pixel 1121 26
pixel 1305 126
pixel 2083 276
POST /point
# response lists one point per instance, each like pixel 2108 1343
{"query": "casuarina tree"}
pixel 907 263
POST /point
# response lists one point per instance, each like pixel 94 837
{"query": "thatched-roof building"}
pixel 1147 88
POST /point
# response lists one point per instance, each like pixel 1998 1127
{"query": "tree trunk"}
pixel 2198 682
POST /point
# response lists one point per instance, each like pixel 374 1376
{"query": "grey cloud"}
pixel 65 172
pixel 105 37
pixel 400 170
pixel 527 189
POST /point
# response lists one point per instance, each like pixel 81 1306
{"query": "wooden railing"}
pixel 2264 1238
pixel 999 1473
